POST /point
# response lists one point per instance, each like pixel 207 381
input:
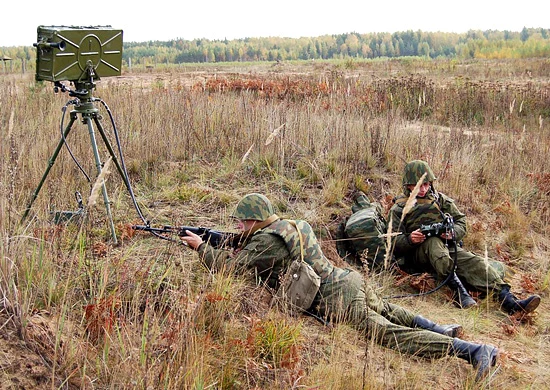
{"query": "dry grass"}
pixel 146 314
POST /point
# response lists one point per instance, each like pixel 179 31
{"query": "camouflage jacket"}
pixel 264 256
pixel 312 253
pixel 426 211
pixel 268 252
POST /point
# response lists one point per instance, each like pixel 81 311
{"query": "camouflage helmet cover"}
pixel 254 207
pixel 414 171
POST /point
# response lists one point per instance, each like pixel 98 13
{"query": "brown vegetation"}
pixel 79 312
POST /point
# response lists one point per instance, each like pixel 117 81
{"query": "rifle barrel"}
pixel 215 238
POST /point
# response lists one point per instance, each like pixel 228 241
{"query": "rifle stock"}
pixel 214 237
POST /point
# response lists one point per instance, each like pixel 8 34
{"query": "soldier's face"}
pixel 245 224
pixel 422 191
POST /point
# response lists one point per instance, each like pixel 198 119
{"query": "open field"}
pixel 79 312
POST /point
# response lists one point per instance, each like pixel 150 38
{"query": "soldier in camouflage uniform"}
pixel 439 252
pixel 271 244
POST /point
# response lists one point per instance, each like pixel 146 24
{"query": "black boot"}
pixel 453 330
pixel 481 356
pixel 510 304
pixel 461 298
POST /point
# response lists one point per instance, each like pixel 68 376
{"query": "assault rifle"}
pixel 435 229
pixel 215 238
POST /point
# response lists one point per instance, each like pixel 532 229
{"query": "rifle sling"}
pixel 259 225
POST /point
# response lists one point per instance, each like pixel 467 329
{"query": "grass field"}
pixel 78 311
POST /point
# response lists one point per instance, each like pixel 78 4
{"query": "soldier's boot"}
pixel 452 330
pixel 510 304
pixel 481 356
pixel 461 297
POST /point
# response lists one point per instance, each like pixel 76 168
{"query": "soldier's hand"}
pixel 417 237
pixel 192 240
pixel 446 236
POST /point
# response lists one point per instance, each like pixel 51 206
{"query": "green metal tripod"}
pixel 84 107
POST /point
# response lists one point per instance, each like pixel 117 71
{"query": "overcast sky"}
pixel 213 19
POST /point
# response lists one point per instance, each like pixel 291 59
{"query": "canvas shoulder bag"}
pixel 300 284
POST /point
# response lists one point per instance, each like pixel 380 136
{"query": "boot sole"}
pixel 494 359
pixel 465 306
pixel 457 332
pixel 532 306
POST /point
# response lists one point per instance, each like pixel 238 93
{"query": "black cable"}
pixel 64 109
pixel 122 162
pixel 126 177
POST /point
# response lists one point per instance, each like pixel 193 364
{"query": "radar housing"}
pixel 72 52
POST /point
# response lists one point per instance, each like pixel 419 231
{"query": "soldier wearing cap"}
pixel 438 252
pixel 269 246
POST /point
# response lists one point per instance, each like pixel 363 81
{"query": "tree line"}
pixel 489 44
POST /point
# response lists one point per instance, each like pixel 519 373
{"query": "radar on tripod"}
pixel 71 52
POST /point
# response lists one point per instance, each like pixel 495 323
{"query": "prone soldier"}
pixel 271 244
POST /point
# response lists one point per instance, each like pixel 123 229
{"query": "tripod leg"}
pixel 103 188
pixel 51 161
pixel 120 166
pixel 111 151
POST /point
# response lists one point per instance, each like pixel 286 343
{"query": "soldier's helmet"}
pixel 414 171
pixel 254 207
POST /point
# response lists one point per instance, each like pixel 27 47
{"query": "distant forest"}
pixel 490 44
pixel 533 42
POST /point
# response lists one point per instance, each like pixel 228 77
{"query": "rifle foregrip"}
pixel 196 230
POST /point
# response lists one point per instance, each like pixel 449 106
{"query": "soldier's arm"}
pixel 401 243
pixel 263 256
pixel 214 258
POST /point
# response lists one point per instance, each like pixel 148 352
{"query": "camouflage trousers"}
pixel 471 268
pixel 349 299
